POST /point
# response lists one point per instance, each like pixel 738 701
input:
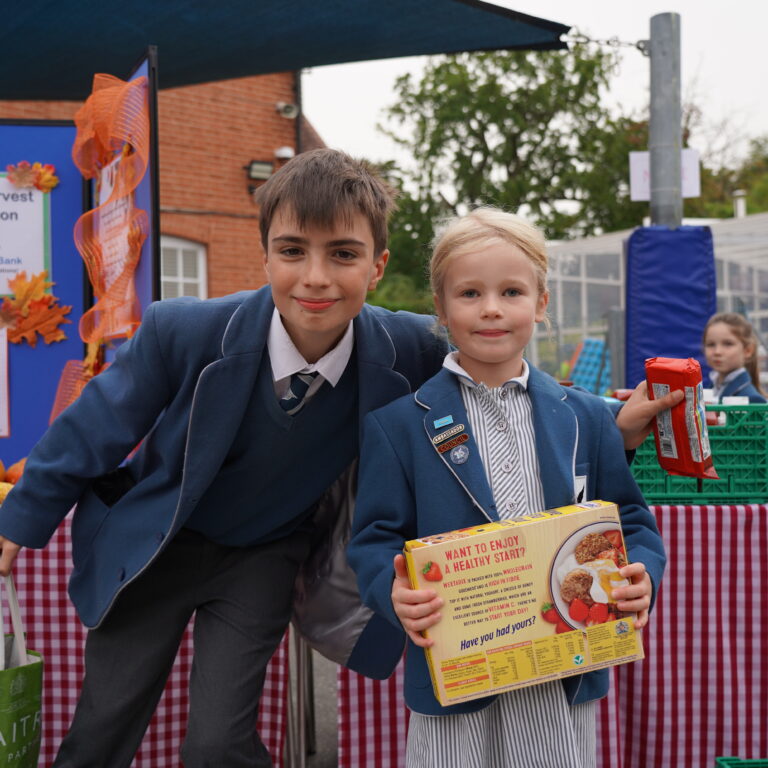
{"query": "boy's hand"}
pixel 636 598
pixel 635 419
pixel 9 552
pixel 417 609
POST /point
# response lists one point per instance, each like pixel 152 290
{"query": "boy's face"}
pixel 320 277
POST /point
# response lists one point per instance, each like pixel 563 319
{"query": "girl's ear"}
pixel 440 310
pixel 750 348
pixel 541 306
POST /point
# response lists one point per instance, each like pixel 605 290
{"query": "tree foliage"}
pixel 522 130
pixel 530 132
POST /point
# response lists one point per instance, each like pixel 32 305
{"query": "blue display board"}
pixel 34 372
pixel 671 293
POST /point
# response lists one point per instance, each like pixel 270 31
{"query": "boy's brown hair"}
pixel 323 185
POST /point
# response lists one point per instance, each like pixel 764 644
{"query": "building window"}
pixel 183 268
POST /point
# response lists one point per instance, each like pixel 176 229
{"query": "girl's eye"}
pixel 512 292
pixel 469 293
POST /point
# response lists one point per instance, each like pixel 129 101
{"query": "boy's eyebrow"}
pixel 303 240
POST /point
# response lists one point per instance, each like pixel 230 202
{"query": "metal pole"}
pixel 665 141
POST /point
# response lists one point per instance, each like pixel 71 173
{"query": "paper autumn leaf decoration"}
pixel 32 311
pixel 26 176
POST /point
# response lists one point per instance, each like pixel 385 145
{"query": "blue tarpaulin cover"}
pixel 51 50
pixel 671 293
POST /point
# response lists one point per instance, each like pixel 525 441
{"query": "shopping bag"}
pixel 21 688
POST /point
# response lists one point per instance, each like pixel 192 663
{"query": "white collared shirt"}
pixel 451 362
pixel 286 360
pixel 719 385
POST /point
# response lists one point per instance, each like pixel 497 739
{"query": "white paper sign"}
pixel 640 174
pixel 24 232
pixel 5 422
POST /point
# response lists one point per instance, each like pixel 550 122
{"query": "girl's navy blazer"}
pixel 181 385
pixel 742 386
pixel 408 489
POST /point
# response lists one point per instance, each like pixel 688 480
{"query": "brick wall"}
pixel 207 133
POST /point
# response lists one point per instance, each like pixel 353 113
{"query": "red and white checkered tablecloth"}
pixel 700 693
pixel 54 630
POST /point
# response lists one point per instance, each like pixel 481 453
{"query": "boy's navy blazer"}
pixel 181 385
pixel 408 489
pixel 742 386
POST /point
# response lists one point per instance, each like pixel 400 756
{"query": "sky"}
pixel 723 60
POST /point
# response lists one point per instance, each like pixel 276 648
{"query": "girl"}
pixel 730 346
pixel 532 445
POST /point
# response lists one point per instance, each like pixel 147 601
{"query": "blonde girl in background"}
pixel 730 346
pixel 531 445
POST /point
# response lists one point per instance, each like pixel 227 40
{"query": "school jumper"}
pixel 194 385
pixel 408 489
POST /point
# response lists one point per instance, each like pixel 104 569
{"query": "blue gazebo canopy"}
pixel 51 49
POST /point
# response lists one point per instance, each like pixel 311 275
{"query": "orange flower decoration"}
pixel 46 178
pixel 37 175
pixel 21 175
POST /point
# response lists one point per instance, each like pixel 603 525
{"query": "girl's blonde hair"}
pixel 745 333
pixel 465 234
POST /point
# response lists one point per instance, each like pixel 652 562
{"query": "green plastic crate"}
pixel 736 762
pixel 740 456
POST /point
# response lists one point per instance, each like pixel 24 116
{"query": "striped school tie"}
pixel 293 399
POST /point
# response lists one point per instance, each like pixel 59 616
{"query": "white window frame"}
pixel 179 243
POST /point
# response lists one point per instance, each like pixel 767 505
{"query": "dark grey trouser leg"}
pixel 243 611
pixel 128 659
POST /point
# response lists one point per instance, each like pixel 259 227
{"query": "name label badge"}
pixel 454 430
pixel 444 422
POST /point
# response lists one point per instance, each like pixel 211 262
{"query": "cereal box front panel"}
pixel 525 601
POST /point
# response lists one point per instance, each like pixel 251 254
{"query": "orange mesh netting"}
pixel 74 377
pixel 113 122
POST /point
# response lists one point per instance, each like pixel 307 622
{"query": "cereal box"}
pixel 525 600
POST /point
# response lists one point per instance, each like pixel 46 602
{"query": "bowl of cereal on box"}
pixel 585 570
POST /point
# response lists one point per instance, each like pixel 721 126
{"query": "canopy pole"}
pixel 665 140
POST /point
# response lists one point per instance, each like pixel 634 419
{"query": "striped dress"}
pixel 529 727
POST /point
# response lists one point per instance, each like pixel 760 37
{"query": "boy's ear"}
pixel 379 265
pixel 266 266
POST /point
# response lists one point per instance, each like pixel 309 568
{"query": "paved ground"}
pixel 325 714
pixel 325 755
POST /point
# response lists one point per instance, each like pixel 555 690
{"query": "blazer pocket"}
pixel 89 517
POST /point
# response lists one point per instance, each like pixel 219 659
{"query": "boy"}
pixel 249 408
pixel 213 515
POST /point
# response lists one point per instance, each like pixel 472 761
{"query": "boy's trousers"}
pixel 241 598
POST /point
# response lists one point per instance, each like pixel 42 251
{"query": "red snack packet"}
pixel 682 442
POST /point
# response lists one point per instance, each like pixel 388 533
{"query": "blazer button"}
pixel 121 574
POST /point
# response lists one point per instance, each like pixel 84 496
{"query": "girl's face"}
pixel 490 305
pixel 723 349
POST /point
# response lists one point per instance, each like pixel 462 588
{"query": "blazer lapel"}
pixel 449 434
pixel 223 391
pixel 557 434
pixel 379 383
